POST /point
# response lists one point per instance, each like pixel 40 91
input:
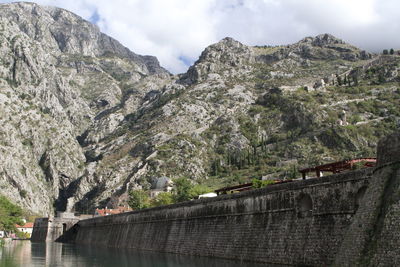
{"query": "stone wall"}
pixel 301 222
pixel 389 149
pixel 373 238
pixel 40 229
pixel 53 228
pixel 349 219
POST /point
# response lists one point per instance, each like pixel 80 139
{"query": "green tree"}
pixel 10 214
pixel 355 80
pixel 385 51
pixel 138 199
pixel 348 81
pixel 391 51
pixel 216 167
pixel 381 78
pixel 257 183
pixel 163 198
pixel 182 189
pixel 292 172
pixel 339 80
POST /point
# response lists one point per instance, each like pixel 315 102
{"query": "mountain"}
pixel 84 119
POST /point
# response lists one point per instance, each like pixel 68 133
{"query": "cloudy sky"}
pixel 176 31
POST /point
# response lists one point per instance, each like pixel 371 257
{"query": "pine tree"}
pixel 355 80
pixel 381 78
pixel 339 79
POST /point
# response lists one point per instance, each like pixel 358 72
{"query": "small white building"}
pixel 26 228
pixel 2 234
pixel 207 195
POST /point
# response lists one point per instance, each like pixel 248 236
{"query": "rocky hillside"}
pixel 84 120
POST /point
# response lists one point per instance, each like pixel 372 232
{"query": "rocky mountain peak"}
pixel 321 47
pixel 322 40
pixel 59 75
pixel 226 54
pixel 63 31
pixel 225 51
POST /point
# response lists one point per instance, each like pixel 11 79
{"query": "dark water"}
pixel 25 253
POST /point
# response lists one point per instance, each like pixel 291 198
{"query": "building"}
pixel 105 212
pixel 26 228
pixel 208 195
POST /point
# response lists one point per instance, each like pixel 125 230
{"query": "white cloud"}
pixel 176 31
pixel 167 29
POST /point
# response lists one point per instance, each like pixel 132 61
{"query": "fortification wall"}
pixel 52 228
pixel 40 229
pixel 373 237
pixel 350 219
pixel 301 222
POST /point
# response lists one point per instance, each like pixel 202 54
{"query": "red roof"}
pixel 26 225
pixel 341 166
pixel 104 212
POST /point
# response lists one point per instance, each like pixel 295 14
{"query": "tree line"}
pixel 10 215
pixel 183 190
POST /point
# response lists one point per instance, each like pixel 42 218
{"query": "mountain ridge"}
pixel 85 120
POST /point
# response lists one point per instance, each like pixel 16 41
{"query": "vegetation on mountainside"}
pixel 10 214
pixel 83 125
pixel 289 129
pixel 138 199
pixel 183 190
pixel 163 198
pixel 257 183
pixel 282 131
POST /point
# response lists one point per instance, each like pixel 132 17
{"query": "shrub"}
pixel 10 214
pixel 23 193
pixel 163 198
pixel 262 183
pixel 198 189
pixel 138 199
pixel 182 189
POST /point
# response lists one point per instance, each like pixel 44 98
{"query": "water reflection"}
pixel 25 253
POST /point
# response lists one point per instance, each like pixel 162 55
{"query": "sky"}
pixel 177 31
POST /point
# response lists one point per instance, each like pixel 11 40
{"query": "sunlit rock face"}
pixel 85 120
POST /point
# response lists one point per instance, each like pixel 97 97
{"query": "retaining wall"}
pixel 295 223
pixel 373 238
pixel 349 219
pixel 52 228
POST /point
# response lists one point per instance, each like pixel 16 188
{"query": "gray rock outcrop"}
pixel 85 120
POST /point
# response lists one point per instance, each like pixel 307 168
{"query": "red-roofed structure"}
pixel 244 187
pixel 341 166
pixel 26 228
pixel 26 225
pixel 105 212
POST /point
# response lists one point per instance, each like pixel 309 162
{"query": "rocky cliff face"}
pixel 84 119
pixel 57 73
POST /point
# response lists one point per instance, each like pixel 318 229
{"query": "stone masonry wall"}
pixel 384 246
pixel 373 238
pixel 40 229
pixel 52 228
pixel 301 223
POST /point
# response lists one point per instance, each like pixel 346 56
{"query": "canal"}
pixel 25 253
